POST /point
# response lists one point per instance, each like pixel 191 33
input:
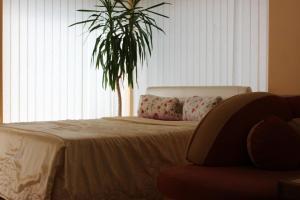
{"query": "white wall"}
pixel 210 42
pixel 47 70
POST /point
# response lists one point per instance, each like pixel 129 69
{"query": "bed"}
pixel 109 158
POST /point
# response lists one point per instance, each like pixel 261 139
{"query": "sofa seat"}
pixel 198 182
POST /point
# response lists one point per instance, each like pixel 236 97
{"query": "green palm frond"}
pixel 124 37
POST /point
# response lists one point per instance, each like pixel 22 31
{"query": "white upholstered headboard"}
pixel 188 91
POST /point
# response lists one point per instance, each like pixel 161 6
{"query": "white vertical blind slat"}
pixel 49 56
pixel 15 61
pixel 230 41
pixel 254 44
pixel 7 60
pixel 224 44
pixel 64 59
pixel 40 58
pixel 263 42
pixel 203 42
pixel 23 60
pixel 31 61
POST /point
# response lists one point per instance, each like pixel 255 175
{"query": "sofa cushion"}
pixel 294 103
pixel 273 144
pixel 221 137
pixel 199 182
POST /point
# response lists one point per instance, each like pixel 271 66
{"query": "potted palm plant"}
pixel 124 32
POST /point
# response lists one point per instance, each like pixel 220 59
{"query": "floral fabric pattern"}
pixel 162 108
pixel 195 108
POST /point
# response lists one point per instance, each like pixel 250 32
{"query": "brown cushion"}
pixel 273 144
pixel 294 103
pixel 221 137
pixel 199 182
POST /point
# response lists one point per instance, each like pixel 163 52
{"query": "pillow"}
pixel 195 108
pixel 162 108
pixel 221 137
pixel 274 145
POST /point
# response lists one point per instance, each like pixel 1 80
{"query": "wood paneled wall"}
pixel 1 61
pixel 284 67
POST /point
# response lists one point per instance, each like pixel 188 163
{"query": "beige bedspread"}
pixel 109 158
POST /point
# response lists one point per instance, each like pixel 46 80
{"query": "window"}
pixel 47 69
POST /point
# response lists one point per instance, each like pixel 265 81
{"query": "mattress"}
pixel 109 158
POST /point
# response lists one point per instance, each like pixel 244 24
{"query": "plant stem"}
pixel 130 2
pixel 119 98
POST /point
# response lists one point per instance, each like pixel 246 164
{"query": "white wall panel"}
pixel 47 69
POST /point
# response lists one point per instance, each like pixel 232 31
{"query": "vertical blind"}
pixel 47 69
pixel 210 42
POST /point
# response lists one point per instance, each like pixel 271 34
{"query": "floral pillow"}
pixel 195 108
pixel 163 108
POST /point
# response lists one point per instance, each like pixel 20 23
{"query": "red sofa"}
pixel 218 180
pixel 199 182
